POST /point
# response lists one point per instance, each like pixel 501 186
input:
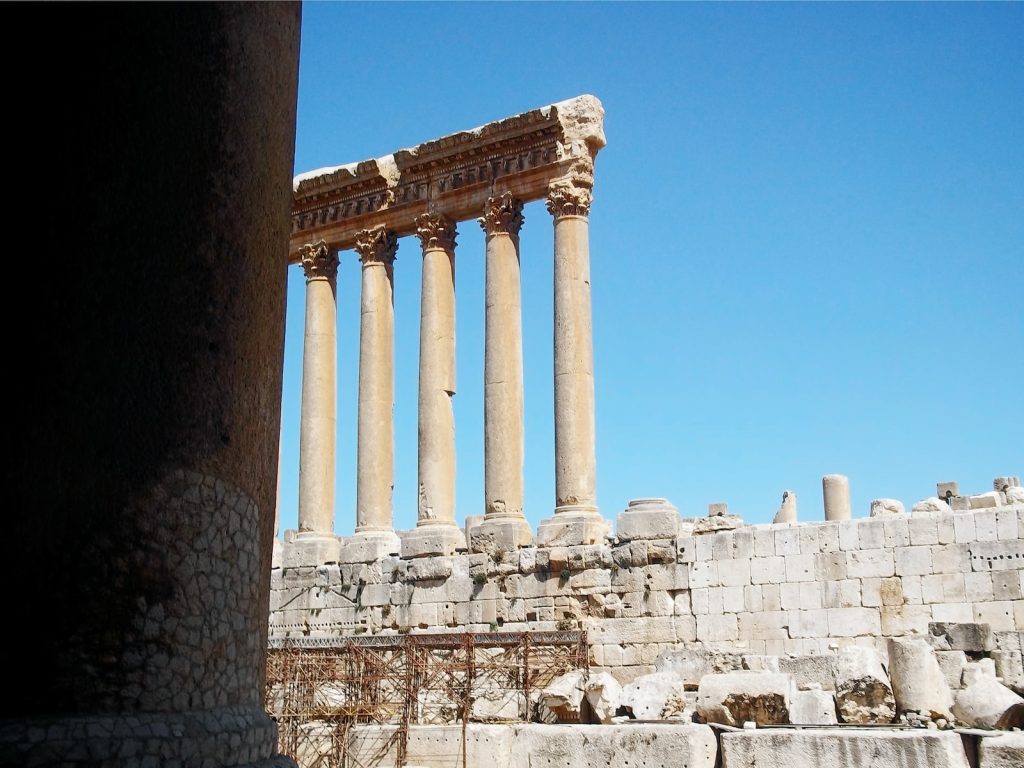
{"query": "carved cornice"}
pixel 377 246
pixel 502 215
pixel 523 154
pixel 435 230
pixel 567 200
pixel 319 262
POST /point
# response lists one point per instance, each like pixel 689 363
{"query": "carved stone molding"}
pixel 523 155
pixel 319 262
pixel 568 200
pixel 377 246
pixel 435 230
pixel 503 214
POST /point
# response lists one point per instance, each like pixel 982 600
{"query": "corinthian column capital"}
pixel 502 215
pixel 319 262
pixel 377 246
pixel 568 199
pixel 435 230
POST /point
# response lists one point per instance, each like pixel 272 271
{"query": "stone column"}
pixel 836 492
pixel 375 474
pixel 315 542
pixel 144 472
pixel 436 532
pixel 504 526
pixel 576 519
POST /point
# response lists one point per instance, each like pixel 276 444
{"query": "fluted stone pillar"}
pixel 374 535
pixel 315 542
pixel 836 493
pixel 436 532
pixel 576 519
pixel 504 526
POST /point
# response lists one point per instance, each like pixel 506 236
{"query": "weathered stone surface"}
pixel 811 670
pixel 1014 495
pixel 931 504
pixel 1006 751
pixel 813 708
pixel 987 703
pixel 987 500
pixel 846 748
pixel 603 694
pixel 564 696
pixel 952 665
pixel 722 522
pixel 917 681
pixel 787 509
pixel 614 746
pixel 887 508
pixel 864 693
pixel 737 697
pixel 972 637
pixel 648 519
pixel 836 495
pixel 656 696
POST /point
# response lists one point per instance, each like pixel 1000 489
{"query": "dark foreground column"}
pixel 146 432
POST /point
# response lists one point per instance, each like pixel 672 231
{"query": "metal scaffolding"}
pixel 318 688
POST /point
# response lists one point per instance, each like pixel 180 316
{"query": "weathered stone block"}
pixel 963 636
pixel 648 519
pixel 738 697
pixel 849 748
pixel 813 708
pixel 613 746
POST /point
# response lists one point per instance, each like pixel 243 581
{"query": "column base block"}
pixel 570 529
pixel 432 540
pixel 309 549
pixel 370 546
pixel 648 519
pixel 501 535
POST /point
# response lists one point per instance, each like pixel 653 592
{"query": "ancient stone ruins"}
pixel 667 641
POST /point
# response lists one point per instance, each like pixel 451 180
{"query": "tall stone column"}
pixel 576 519
pixel 315 542
pixel 436 532
pixel 144 473
pixel 375 473
pixel 504 526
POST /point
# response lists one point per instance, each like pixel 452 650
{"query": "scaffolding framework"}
pixel 318 688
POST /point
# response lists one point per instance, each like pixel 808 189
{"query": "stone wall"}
pixel 765 589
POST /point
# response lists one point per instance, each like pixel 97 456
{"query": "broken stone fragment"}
pixel 987 703
pixel 864 693
pixel 564 696
pixel 931 504
pixel 887 508
pixel 787 510
pixel 603 694
pixel 738 697
pixel 718 523
pixel 987 500
pixel 1014 495
pixel 972 637
pixel 917 680
pixel 654 696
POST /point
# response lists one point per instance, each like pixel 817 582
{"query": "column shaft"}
pixel 575 457
pixel 503 369
pixel 317 433
pixel 437 373
pixel 375 456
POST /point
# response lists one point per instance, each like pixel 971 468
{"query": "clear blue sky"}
pixel 807 241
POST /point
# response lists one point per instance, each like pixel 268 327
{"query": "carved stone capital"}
pixel 319 261
pixel 435 230
pixel 568 200
pixel 377 246
pixel 503 214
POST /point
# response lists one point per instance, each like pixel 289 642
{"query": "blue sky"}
pixel 807 241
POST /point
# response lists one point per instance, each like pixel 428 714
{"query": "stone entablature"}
pixel 764 589
pixel 456 174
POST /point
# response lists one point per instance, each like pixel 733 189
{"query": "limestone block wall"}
pixel 767 589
